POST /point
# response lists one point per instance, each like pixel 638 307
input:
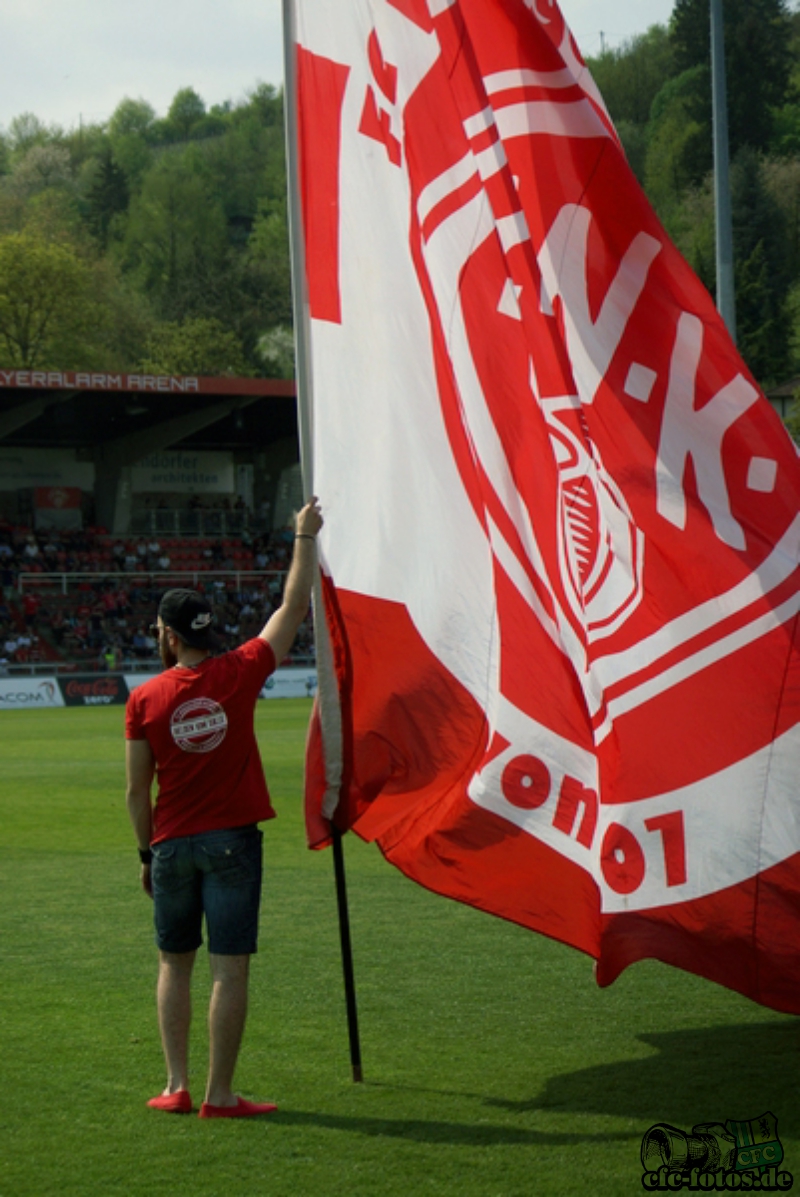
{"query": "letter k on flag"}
pixel 563 524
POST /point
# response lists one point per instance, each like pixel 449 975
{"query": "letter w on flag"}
pixel 561 548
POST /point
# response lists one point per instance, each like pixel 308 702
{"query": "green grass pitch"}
pixel 493 1064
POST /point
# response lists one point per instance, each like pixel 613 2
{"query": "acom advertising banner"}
pixel 24 693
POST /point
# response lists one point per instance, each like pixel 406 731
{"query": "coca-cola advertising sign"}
pixel 89 690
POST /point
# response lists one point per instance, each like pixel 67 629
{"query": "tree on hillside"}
pixel 194 346
pixel 678 148
pixel 269 265
pixel 277 351
pixel 48 315
pixel 131 132
pixel 761 275
pixel 42 166
pixel 186 111
pixel 793 422
pixel 108 195
pixel 26 131
pixel 175 241
pixel 758 60
pixel 631 76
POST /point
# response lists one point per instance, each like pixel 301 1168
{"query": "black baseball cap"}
pixel 189 615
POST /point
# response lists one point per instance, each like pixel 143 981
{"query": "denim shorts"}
pixel 216 874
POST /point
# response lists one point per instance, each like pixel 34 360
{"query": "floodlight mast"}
pixel 726 296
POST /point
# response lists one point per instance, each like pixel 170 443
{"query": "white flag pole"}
pixel 297 250
pixel 327 690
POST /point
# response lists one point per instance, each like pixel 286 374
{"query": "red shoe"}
pixel 173 1103
pixel 243 1109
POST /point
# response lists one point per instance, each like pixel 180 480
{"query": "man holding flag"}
pixel 200 847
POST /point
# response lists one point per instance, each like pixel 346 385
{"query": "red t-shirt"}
pixel 199 725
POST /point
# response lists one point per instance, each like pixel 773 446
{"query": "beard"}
pixel 168 658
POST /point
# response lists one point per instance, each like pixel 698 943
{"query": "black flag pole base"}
pixel 347 955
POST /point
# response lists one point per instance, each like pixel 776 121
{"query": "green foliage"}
pixel 181 218
pixel 186 112
pixel 634 143
pixel 762 277
pixel 26 131
pixel 48 314
pixel 691 225
pixel 276 350
pixel 269 263
pixel 793 421
pixel 195 346
pixel 108 195
pixel 132 117
pixel 178 219
pixel 758 60
pixel 131 134
pixel 42 167
pixel 678 150
pixel 175 240
pixel 631 76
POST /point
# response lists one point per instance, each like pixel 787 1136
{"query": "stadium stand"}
pixel 81 599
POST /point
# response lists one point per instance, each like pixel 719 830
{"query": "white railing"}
pixel 211 522
pixel 64 582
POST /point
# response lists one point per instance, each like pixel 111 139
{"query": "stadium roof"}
pixel 96 411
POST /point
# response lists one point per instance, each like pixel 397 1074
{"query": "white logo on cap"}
pixel 201 621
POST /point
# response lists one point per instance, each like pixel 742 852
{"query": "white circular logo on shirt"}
pixel 199 725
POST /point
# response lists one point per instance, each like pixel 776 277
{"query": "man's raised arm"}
pixel 281 627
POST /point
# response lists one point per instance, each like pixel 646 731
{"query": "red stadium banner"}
pixel 562 532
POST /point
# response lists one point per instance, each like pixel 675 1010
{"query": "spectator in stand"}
pixel 164 561
pixel 7 578
pixel 96 620
pixel 139 643
pixel 131 559
pixel 50 554
pixel 30 607
pixel 58 626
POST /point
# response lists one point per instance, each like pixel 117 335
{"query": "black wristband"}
pixel 304 536
pixel 145 856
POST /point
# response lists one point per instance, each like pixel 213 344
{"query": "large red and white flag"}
pixel 561 548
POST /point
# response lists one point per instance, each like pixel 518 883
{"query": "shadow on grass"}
pixel 706 1075
pixel 422 1130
